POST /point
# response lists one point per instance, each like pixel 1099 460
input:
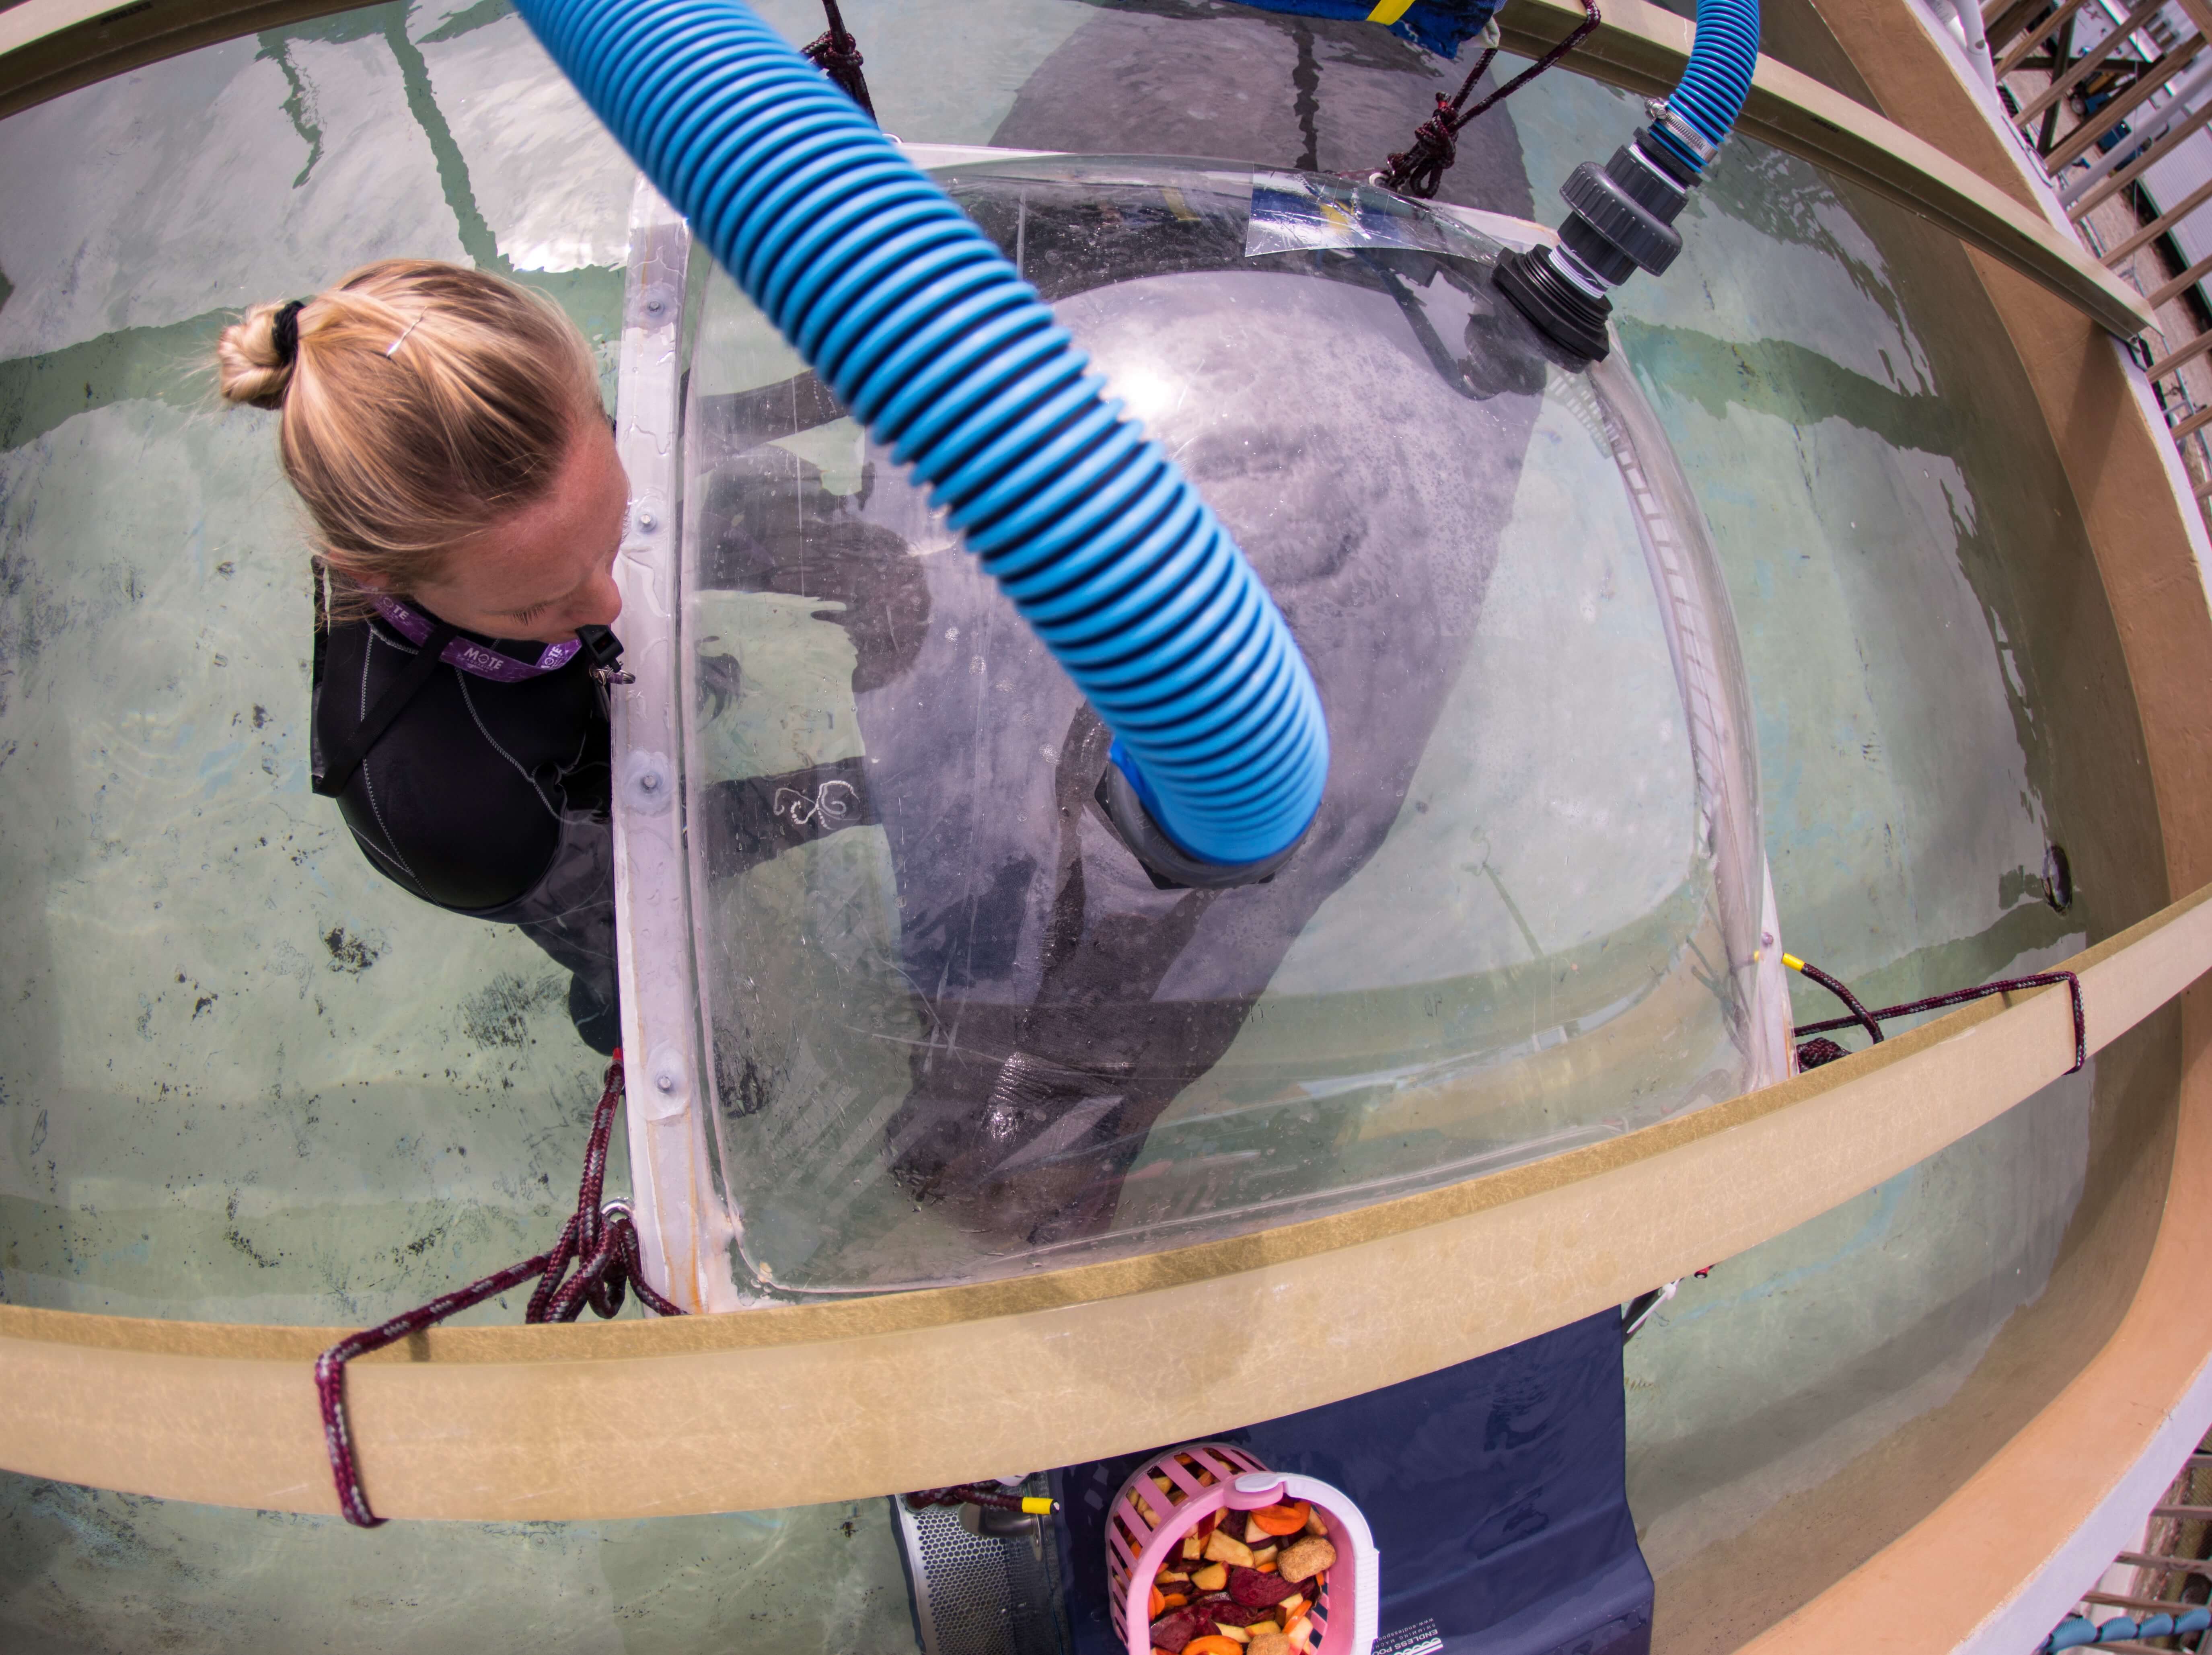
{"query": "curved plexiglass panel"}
pixel 956 1025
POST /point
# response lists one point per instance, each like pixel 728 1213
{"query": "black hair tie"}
pixel 285 331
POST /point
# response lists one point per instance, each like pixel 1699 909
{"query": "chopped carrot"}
pixel 1213 1644
pixel 1159 1602
pixel 1267 1568
pixel 1282 1519
pixel 1173 1599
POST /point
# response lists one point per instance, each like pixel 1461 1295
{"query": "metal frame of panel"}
pixel 682 1222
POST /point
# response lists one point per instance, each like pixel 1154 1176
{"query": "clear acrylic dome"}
pixel 954 1027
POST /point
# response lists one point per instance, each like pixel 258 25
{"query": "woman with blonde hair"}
pixel 444 430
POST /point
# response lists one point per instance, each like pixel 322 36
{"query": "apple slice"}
pixel 1235 1634
pixel 1212 1577
pixel 1221 1548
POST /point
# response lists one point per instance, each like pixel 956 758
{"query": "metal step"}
pixel 980 1594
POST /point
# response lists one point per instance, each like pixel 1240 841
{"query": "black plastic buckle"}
pixel 603 655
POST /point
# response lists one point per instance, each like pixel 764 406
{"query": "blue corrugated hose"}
pixel 1718 78
pixel 2076 1632
pixel 927 332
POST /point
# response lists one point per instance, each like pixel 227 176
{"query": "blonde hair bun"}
pixel 247 364
pixel 424 402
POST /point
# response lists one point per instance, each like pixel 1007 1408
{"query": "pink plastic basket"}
pixel 1145 1527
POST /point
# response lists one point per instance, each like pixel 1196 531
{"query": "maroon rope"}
pixel 1860 1015
pixel 1814 1053
pixel 1817 1051
pixel 601 1242
pixel 837 54
pixel 1419 169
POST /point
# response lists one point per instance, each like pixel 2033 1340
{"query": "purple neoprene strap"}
pixel 471 657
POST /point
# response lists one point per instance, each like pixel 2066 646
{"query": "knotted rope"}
pixel 600 1240
pixel 1814 1053
pixel 1419 170
pixel 837 54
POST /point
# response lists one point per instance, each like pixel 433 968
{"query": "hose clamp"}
pixel 1677 127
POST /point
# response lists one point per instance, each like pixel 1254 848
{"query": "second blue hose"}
pixel 930 338
pixel 1718 78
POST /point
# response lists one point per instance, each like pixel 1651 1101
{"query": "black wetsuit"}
pixel 487 798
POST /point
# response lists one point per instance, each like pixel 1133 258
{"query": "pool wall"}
pixel 2043 1465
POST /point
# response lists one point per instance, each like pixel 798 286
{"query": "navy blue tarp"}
pixel 1439 24
pixel 1494 1490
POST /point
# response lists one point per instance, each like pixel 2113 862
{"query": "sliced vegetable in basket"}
pixel 1222 1547
pixel 1258 1590
pixel 1278 1519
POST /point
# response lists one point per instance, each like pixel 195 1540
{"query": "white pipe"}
pixel 1977 40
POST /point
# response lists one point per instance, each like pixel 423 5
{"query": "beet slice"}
pixel 1178 1627
pixel 1243 1614
pixel 1256 1589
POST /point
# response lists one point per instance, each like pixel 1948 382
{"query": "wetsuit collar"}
pixel 477 660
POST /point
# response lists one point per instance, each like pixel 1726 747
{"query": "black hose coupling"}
pixel 1167 864
pixel 1621 220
